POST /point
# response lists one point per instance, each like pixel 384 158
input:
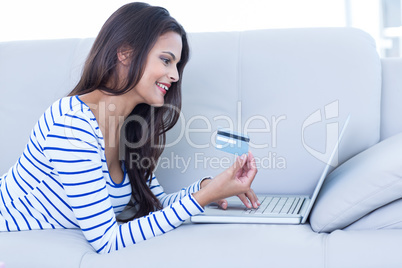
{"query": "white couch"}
pixel 268 83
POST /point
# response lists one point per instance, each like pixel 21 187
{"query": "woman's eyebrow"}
pixel 170 53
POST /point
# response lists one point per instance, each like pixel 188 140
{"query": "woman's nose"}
pixel 174 74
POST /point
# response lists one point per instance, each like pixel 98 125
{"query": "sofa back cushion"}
pixel 33 74
pixel 290 90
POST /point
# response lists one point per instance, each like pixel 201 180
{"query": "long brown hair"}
pixel 137 25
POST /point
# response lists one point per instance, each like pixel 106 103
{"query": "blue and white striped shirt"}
pixel 62 181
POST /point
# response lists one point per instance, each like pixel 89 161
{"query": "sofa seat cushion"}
pixel 221 245
pixel 43 248
pixel 364 183
pixel 363 248
pixel 190 245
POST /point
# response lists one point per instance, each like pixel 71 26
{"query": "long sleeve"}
pixel 74 150
pixel 168 199
pixel 62 181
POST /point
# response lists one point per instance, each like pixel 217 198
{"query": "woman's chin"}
pixel 158 104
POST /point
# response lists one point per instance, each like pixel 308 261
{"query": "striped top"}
pixel 62 181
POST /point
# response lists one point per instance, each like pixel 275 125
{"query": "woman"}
pixel 77 169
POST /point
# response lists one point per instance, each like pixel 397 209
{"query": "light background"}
pixel 46 19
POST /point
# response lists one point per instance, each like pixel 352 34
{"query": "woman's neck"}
pixel 110 112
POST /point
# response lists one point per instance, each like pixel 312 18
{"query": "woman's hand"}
pixel 236 180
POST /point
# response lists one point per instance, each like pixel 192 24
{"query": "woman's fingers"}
pixel 251 165
pixel 247 172
pixel 244 199
pixel 239 164
pixel 223 203
pixel 253 198
pixel 249 199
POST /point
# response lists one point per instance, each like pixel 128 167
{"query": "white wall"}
pixel 42 19
pixel 49 19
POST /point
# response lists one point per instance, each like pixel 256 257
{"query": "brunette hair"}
pixel 137 25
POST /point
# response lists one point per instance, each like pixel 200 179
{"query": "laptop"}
pixel 275 209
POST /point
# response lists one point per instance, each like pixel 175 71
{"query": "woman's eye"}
pixel 165 60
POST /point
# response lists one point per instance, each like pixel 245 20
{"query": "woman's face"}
pixel 160 70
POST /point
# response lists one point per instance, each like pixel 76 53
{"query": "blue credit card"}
pixel 232 142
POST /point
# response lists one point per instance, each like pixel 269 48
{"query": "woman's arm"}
pixel 168 199
pixel 244 167
pixel 236 180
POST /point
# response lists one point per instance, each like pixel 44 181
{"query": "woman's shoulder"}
pixel 69 106
pixel 71 112
pixel 69 109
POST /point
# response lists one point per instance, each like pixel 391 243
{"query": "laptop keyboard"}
pixel 277 205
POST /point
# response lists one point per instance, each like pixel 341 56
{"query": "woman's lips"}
pixel 163 87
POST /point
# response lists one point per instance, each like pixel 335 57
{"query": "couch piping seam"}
pixel 325 253
pixel 239 81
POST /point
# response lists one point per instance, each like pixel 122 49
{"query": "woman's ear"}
pixel 124 54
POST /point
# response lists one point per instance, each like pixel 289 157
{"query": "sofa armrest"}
pixel 391 107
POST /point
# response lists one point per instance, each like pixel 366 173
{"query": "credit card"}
pixel 232 142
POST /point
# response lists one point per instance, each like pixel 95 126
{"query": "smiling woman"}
pixel 77 170
pixel 161 69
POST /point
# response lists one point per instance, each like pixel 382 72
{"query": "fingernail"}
pixel 243 156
